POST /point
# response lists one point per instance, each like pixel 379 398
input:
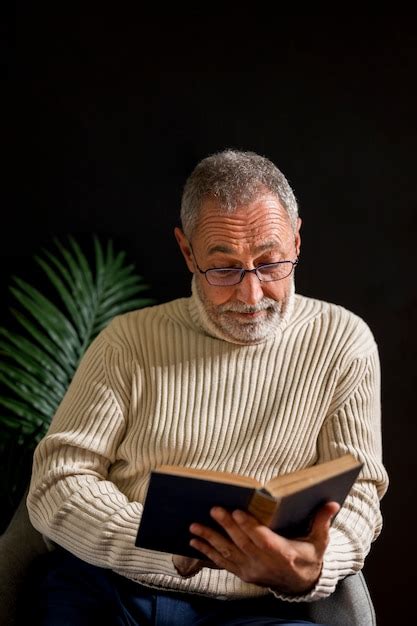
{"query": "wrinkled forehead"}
pixel 257 224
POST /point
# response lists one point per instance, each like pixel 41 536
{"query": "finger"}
pixel 261 537
pixel 220 557
pixel 205 532
pixel 319 534
pixel 208 537
pixel 214 545
pixel 210 551
pixel 239 526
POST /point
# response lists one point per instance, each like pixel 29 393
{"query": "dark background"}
pixel 113 111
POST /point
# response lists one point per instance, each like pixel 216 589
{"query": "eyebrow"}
pixel 263 247
pixel 220 248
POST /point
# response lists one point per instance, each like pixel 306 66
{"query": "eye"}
pixel 270 260
pixel 225 265
pixel 224 270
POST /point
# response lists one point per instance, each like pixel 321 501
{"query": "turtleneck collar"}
pixel 201 319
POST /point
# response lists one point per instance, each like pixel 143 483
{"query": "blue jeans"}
pixel 70 592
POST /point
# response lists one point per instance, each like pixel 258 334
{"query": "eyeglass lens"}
pixel 266 273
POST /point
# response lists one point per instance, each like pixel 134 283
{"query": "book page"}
pixel 288 483
pixel 219 477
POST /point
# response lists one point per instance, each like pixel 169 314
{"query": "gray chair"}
pixel 349 605
pixel 21 544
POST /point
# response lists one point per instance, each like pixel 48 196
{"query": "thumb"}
pixel 319 533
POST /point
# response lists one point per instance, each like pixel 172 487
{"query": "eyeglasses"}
pixel 266 273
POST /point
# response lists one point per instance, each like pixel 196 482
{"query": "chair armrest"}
pixel 20 544
pixel 350 603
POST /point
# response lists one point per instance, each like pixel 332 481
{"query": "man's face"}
pixel 254 234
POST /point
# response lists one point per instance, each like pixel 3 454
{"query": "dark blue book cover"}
pixel 173 503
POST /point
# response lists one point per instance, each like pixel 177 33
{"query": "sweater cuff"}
pixel 338 562
pixel 323 588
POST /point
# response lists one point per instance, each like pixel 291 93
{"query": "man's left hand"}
pixel 257 555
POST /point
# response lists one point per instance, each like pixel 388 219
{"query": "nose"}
pixel 249 290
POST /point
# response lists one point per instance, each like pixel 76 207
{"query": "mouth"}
pixel 249 315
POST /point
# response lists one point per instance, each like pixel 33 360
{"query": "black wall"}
pixel 114 111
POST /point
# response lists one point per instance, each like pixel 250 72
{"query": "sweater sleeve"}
pixel 353 425
pixel 71 499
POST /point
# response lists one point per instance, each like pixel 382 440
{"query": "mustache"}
pixel 241 307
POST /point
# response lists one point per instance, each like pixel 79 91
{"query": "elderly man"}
pixel 243 376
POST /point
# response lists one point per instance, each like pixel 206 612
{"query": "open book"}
pixel 178 496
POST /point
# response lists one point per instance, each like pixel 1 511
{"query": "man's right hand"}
pixel 187 567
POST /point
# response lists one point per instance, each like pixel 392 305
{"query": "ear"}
pixel 298 237
pixel 185 248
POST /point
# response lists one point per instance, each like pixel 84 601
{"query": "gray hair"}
pixel 234 177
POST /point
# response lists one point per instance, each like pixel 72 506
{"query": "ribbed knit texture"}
pixel 157 387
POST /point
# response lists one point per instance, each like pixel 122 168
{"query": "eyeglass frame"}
pixel 244 271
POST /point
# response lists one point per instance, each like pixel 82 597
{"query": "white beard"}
pixel 251 331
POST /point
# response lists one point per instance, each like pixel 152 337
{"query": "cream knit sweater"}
pixel 159 386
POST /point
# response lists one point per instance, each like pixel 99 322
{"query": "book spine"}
pixel 263 507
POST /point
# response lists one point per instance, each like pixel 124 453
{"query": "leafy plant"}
pixel 38 364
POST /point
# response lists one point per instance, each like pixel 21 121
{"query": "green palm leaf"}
pixel 38 364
